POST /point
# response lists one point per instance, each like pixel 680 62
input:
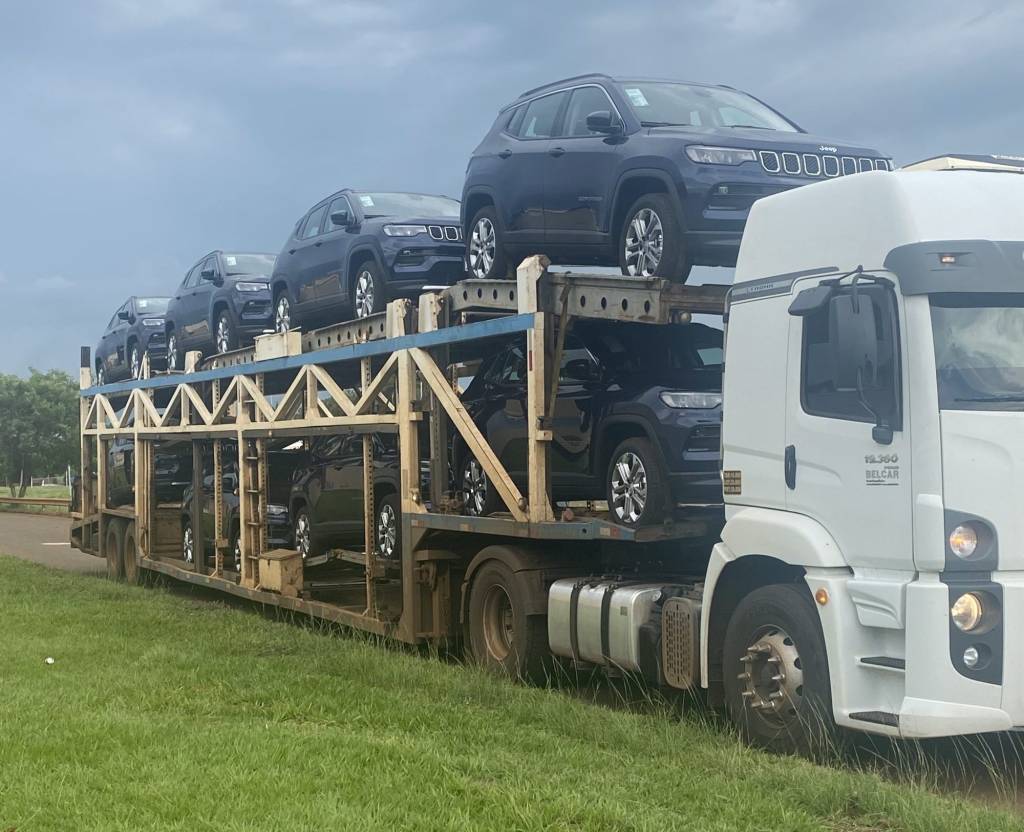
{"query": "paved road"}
pixel 43 539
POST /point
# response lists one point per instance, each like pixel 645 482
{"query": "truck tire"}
pixel 112 549
pixel 652 242
pixel 485 252
pixel 502 637
pixel 635 484
pixel 133 573
pixel 775 671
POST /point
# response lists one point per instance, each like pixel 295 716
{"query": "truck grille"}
pixel 817 165
pixel 445 232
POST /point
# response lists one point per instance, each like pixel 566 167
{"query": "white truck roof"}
pixel 857 220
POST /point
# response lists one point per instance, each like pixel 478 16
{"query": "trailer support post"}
pixel 538 377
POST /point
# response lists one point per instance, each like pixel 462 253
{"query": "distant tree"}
pixel 38 426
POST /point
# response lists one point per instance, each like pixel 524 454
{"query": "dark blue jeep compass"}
pixel 651 176
pixel 353 251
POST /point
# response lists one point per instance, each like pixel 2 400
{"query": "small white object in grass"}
pixel 48 660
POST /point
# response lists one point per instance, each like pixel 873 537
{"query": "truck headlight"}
pixel 691 400
pixel 404 230
pixel 963 540
pixel 706 155
pixel 248 286
pixel 967 612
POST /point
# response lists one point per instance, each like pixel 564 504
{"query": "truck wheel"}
pixel 369 291
pixel 389 527
pixel 776 672
pixel 188 543
pixel 485 254
pixel 502 637
pixel 651 241
pixel 132 571
pixel 115 559
pixel 635 484
pixel 227 338
pixel 478 497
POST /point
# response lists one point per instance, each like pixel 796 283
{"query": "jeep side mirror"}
pixel 208 274
pixel 341 218
pixel 579 369
pixel 123 315
pixel 604 121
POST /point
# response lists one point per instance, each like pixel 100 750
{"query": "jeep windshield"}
pixel 979 351
pixel 151 306
pixel 667 103
pixel 408 205
pixel 249 263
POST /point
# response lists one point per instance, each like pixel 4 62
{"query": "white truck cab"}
pixel 873 458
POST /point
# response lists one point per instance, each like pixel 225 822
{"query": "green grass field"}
pixel 164 710
pixel 57 492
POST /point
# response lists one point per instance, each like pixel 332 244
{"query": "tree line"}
pixel 38 426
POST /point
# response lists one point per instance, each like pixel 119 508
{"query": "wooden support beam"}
pixel 368 394
pixel 333 390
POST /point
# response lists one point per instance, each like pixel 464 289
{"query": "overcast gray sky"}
pixel 136 135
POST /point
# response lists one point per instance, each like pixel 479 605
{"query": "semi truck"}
pixel 864 569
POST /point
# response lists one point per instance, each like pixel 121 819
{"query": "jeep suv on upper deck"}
pixel 353 251
pixel 651 176
pixel 135 331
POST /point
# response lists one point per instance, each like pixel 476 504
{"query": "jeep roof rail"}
pixel 559 83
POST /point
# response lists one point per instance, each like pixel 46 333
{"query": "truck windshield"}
pixel 979 351
pixel 666 103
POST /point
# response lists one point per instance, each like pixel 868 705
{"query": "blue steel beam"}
pixel 386 346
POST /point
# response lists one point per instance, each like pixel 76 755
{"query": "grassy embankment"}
pixel 164 710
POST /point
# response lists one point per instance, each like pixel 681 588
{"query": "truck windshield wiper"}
pixel 1011 397
pixel 751 126
pixel 665 124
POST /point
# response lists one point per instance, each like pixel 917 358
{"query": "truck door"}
pixel 839 468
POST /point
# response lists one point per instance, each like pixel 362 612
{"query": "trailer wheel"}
pixel 115 559
pixel 502 637
pixel 133 573
pixel 776 672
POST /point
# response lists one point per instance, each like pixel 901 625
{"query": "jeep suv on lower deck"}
pixel 636 420
pixel 222 304
pixel 651 176
pixel 355 250
pixel 136 330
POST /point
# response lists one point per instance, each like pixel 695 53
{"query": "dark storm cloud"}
pixel 138 134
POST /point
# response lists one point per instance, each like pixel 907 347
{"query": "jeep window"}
pixel 192 278
pixel 422 206
pixel 585 100
pixel 312 226
pixel 249 263
pixel 979 351
pixel 514 121
pixel 665 103
pixel 541 113
pixel 637 348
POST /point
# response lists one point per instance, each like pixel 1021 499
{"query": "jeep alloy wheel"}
pixel 364 294
pixel 629 488
pixel 172 352
pixel 223 335
pixel 135 362
pixel 482 247
pixel 474 488
pixel 645 241
pixel 283 314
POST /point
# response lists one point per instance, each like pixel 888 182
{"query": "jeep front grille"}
pixel 452 233
pixel 818 165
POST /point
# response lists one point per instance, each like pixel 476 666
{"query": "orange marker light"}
pixel 821 596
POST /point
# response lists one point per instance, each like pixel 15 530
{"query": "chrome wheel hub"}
pixel 474 488
pixel 629 487
pixel 223 336
pixel 387 532
pixel 101 376
pixel 172 352
pixel 364 294
pixel 481 248
pixel 282 315
pixel 772 677
pixel 645 240
pixel 188 545
pixel 135 363
pixel 302 535
pixel 237 554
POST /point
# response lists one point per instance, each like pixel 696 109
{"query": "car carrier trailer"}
pixel 868 574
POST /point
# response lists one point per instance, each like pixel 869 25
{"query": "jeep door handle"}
pixel 556 151
pixel 790 467
pixel 504 154
pixel 318 243
pixel 292 251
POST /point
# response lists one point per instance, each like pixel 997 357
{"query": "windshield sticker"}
pixel 231 261
pixel 367 200
pixel 637 97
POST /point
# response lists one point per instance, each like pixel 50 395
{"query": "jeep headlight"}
pixel 706 155
pixel 691 400
pixel 276 511
pixel 967 611
pixel 404 230
pixel 153 322
pixel 249 286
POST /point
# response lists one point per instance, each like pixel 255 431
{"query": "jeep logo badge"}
pixel 824 148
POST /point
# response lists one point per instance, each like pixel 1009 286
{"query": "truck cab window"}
pixel 821 391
